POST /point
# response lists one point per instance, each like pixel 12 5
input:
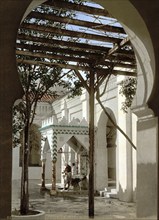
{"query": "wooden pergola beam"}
pixel 123 58
pixel 70 52
pixel 126 53
pixel 51 64
pixel 100 71
pixel 52 56
pixel 77 7
pixel 117 47
pixel 56 50
pixel 63 43
pixel 70 58
pixel 69 33
pixel 77 22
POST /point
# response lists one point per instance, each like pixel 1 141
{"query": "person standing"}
pixel 73 170
pixel 67 177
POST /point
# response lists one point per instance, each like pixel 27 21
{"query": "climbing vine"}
pixel 128 89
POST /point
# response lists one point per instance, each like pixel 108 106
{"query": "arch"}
pixel 105 152
pixel 31 6
pixel 58 135
pixel 141 41
pixel 140 38
pixel 78 139
pixel 79 155
pixel 45 147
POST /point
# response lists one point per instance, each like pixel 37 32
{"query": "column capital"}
pixel 143 112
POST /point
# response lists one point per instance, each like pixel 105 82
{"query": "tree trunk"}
pixel 24 202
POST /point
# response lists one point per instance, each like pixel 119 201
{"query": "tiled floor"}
pixel 67 205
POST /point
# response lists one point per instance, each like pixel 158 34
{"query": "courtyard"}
pixel 136 172
pixel 73 205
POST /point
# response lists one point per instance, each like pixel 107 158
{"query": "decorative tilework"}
pixel 64 130
pixel 54 147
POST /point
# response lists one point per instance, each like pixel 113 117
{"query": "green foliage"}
pixel 34 143
pixel 76 90
pixel 18 123
pixel 36 82
pixel 128 89
pixel 35 137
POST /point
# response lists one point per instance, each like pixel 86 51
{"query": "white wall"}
pixel 34 172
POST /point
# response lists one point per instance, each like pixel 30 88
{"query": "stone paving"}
pixel 71 206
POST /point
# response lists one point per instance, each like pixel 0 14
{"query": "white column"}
pixel 59 168
pixel 64 110
pixel 147 143
pixel 101 160
pixel 124 154
pixel 134 156
pixel 85 106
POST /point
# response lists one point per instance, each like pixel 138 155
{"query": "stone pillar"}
pixel 9 86
pixel 10 90
pixel 147 142
pixel 85 104
pixel 134 156
pixel 124 161
pixel 64 110
pixel 54 160
pixel 43 162
pixel 5 165
pixel 124 153
pixel 101 155
pixel 53 188
pixel 59 167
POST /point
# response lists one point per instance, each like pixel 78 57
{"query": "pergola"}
pixel 81 37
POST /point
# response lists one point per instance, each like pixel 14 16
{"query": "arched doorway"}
pixel 68 143
pixel 105 154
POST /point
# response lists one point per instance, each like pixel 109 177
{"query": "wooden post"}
pixel 91 146
pixel 43 175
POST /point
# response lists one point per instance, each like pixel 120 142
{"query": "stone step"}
pixel 109 193
pixel 111 182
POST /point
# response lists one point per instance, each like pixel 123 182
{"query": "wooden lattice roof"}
pixel 86 36
pixel 79 37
